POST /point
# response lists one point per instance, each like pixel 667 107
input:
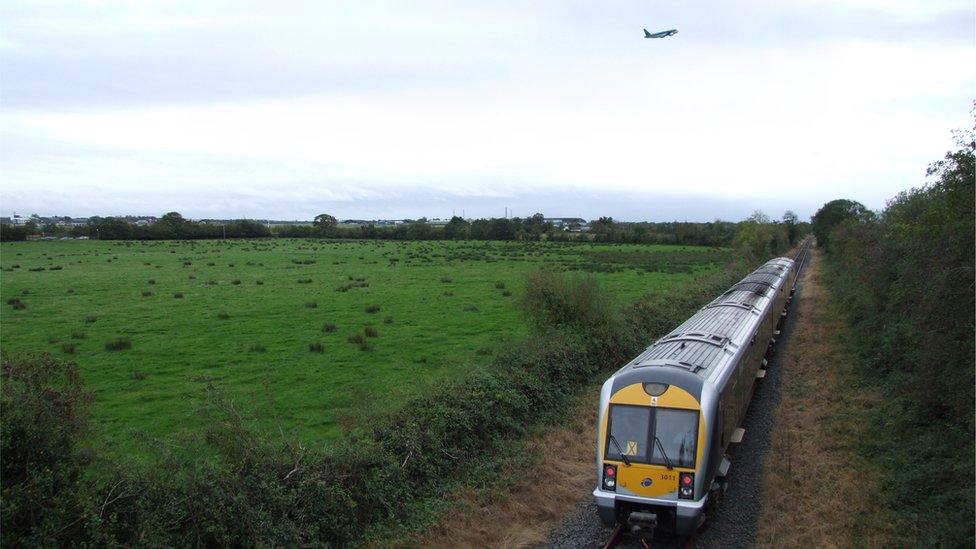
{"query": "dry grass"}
pixel 523 514
pixel 817 490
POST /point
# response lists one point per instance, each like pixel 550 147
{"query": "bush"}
pixel 42 474
pixel 118 344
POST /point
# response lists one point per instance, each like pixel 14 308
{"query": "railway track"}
pixel 621 538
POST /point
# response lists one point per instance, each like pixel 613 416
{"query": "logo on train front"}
pixel 646 482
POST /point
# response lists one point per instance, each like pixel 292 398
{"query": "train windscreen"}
pixel 632 431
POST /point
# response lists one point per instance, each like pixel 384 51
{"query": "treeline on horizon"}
pixel 173 226
pixel 904 278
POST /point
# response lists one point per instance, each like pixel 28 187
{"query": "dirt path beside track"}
pixel 817 490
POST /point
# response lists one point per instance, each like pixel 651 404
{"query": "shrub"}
pixel 370 331
pixel 311 304
pixel 329 327
pixel 373 309
pixel 44 424
pixel 118 344
pixel 17 304
pixel 316 347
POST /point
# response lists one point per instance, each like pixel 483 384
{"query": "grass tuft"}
pixel 118 344
pixel 373 309
pixel 257 348
pixel 178 295
pixel 370 331
pixel 316 347
pixel 329 327
pixel 311 304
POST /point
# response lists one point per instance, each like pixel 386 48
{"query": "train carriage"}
pixel 669 415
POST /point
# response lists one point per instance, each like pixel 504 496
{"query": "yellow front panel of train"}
pixel 646 479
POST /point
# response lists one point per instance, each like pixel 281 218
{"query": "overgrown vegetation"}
pixel 905 279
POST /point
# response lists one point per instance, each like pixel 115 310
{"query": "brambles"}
pixel 329 327
pixel 118 344
pixel 372 309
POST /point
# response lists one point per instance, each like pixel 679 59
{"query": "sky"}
pixel 367 109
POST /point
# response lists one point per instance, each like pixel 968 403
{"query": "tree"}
pixel 324 224
pixel 789 220
pixel 833 214
pixel 456 229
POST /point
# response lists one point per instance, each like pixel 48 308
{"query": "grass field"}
pixel 333 332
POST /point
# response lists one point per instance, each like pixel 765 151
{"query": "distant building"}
pixel 573 224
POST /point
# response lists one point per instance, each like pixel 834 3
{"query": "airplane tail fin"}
pixel 646 34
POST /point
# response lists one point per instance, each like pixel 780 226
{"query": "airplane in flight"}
pixel 662 34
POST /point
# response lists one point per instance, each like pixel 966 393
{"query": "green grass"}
pixel 244 319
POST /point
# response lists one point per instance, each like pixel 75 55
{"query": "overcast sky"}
pixel 405 109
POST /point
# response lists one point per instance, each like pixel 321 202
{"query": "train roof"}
pixel 706 342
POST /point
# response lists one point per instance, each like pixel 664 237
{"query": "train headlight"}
pixel 655 389
pixel 686 486
pixel 610 477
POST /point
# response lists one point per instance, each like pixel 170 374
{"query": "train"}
pixel 668 417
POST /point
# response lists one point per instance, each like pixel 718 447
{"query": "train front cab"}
pixel 639 421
